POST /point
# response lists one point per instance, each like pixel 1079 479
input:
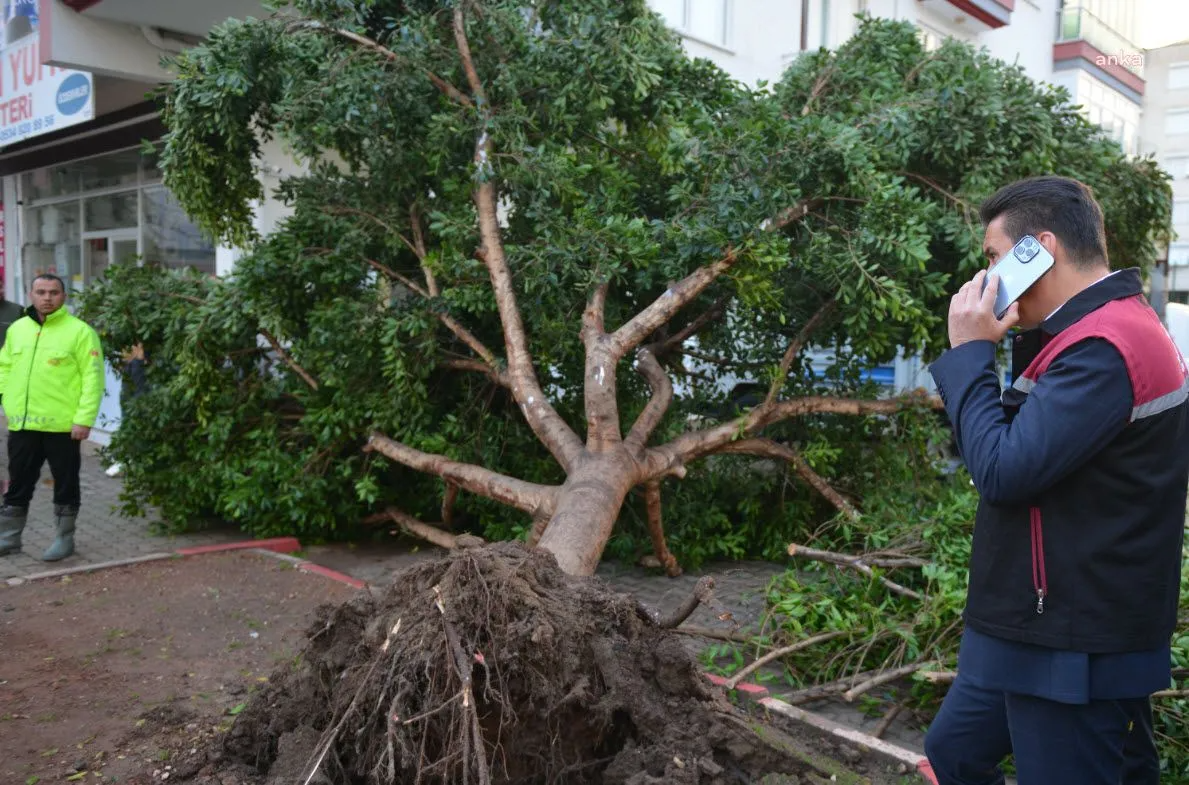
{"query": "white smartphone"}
pixel 1018 271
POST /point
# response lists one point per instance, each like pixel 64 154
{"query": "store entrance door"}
pixel 100 251
pixel 103 249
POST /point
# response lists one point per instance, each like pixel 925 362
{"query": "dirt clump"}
pixel 490 665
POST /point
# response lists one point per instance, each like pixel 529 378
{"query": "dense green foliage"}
pixel 917 509
pixel 617 159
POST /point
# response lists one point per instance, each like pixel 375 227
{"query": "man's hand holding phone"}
pixel 972 313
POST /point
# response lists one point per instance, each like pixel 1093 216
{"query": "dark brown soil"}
pixel 491 665
pixel 123 672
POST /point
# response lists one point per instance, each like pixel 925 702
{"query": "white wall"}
pixel 276 163
pixel 1028 40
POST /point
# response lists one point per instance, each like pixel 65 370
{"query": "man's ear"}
pixel 1050 243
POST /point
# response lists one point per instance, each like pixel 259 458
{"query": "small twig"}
pixel 703 593
pixel 781 652
pixel 1171 694
pixel 886 721
pixel 794 348
pixel 819 691
pixel 766 448
pixel 939 677
pixel 884 678
pixel 431 534
pixel 276 346
pixel 854 562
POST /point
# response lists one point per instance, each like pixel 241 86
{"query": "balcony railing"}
pixel 1078 24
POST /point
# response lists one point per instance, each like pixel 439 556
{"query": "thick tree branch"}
pixel 432 534
pixel 593 326
pixel 677 296
pixel 665 307
pixel 526 496
pixel 468 63
pixel 546 423
pixel 656 529
pixel 658 404
pixel 673 457
pixel 766 448
pixel 600 385
pixel 284 355
pixel 794 349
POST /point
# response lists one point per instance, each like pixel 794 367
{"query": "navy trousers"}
pixel 1106 742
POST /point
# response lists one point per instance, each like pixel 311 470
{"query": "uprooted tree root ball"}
pixel 491 665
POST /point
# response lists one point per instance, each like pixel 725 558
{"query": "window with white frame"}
pixel 1178 76
pixel 1177 166
pixel 705 20
pixel 1178 255
pixel 1180 212
pixel 1176 123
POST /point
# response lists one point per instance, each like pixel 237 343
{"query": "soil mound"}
pixel 490 665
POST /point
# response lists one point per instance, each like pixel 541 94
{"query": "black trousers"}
pixel 1104 742
pixel 27 453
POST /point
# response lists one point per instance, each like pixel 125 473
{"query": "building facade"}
pixel 79 190
pixel 1165 135
pixel 79 193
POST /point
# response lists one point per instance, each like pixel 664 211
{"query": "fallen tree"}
pixel 527 245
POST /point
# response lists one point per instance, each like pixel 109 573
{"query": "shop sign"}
pixel 36 99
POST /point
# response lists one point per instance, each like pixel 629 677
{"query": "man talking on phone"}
pixel 1082 467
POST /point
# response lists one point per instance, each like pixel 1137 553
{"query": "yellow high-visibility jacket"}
pixel 51 375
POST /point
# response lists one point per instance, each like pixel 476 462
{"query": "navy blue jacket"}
pixel 1082 471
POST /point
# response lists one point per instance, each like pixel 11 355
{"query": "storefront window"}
pixel 81 217
pixel 111 171
pixel 53 242
pixel 116 211
pixel 170 238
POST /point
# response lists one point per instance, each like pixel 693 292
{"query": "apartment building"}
pixel 1085 46
pixel 1165 134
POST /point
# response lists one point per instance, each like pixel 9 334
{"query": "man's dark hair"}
pixel 51 277
pixel 1061 205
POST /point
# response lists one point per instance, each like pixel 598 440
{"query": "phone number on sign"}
pixel 27 127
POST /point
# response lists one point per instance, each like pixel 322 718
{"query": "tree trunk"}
pixel 588 506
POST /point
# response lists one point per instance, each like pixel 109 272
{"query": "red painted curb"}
pixel 749 690
pixel 335 575
pixel 276 545
pixel 926 770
